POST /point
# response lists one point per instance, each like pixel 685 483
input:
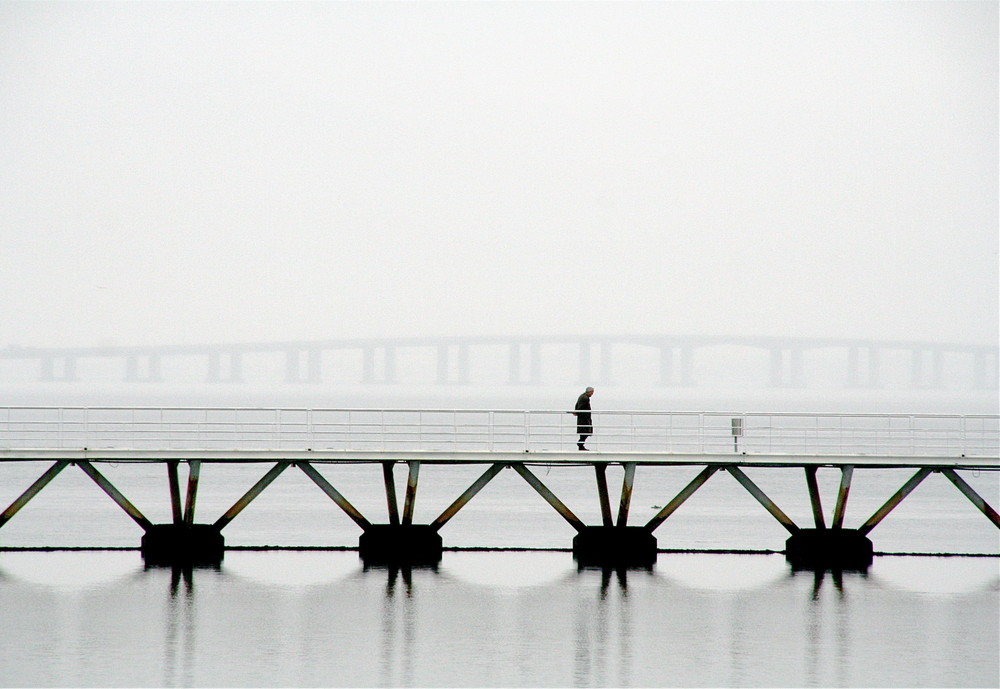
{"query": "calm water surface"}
pixel 321 618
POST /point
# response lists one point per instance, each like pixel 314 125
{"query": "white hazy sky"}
pixel 215 172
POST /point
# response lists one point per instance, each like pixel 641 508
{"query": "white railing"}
pixel 243 428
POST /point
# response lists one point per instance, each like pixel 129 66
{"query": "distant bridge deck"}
pixel 715 441
pixel 643 360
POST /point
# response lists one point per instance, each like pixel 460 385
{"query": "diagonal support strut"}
pixel 846 476
pixel 248 497
pixel 601 469
pixel 334 494
pixel 115 495
pixel 626 499
pixel 973 496
pixel 892 502
pixel 465 497
pixel 685 493
pixel 33 490
pixel 763 499
pixel 549 496
pixel 814 499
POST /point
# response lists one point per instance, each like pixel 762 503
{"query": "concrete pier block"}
pixel 615 546
pixel 183 544
pixel 411 544
pixel 837 549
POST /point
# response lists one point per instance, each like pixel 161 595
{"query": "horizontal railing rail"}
pixel 495 430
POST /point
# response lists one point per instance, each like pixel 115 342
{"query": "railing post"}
pixel 527 430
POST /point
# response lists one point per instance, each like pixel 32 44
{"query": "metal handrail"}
pixel 165 428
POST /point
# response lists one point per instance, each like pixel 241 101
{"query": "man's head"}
pixel 589 392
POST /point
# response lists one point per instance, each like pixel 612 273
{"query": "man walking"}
pixel 584 424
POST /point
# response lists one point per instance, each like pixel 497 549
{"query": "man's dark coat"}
pixel 584 424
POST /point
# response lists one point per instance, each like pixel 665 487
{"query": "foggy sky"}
pixel 221 172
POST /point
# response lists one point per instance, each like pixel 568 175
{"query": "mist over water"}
pixel 191 173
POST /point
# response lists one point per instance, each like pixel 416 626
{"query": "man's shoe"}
pixel 583 448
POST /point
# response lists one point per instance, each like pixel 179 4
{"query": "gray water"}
pixel 320 618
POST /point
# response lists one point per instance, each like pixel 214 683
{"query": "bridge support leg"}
pixel 834 549
pixel 183 542
pixel 619 545
pixel 400 544
pixel 614 546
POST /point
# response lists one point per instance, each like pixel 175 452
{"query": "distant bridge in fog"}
pixel 636 360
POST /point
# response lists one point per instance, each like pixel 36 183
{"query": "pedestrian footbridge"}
pixel 701 443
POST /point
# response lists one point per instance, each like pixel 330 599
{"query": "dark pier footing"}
pixel 396 544
pixel 837 549
pixel 183 544
pixel 624 546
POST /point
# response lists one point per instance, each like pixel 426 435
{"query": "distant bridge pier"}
pixel 985 369
pixel 302 365
pixel 58 368
pixel 518 353
pixel 142 368
pixel 786 367
pixel 863 367
pixel 225 367
pixel 453 364
pixel 587 375
pixel 926 368
pixel 379 364
pixel 676 365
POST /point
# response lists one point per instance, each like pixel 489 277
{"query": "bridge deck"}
pixel 718 442
pixel 543 457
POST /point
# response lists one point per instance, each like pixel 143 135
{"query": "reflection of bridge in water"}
pixel 782 362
